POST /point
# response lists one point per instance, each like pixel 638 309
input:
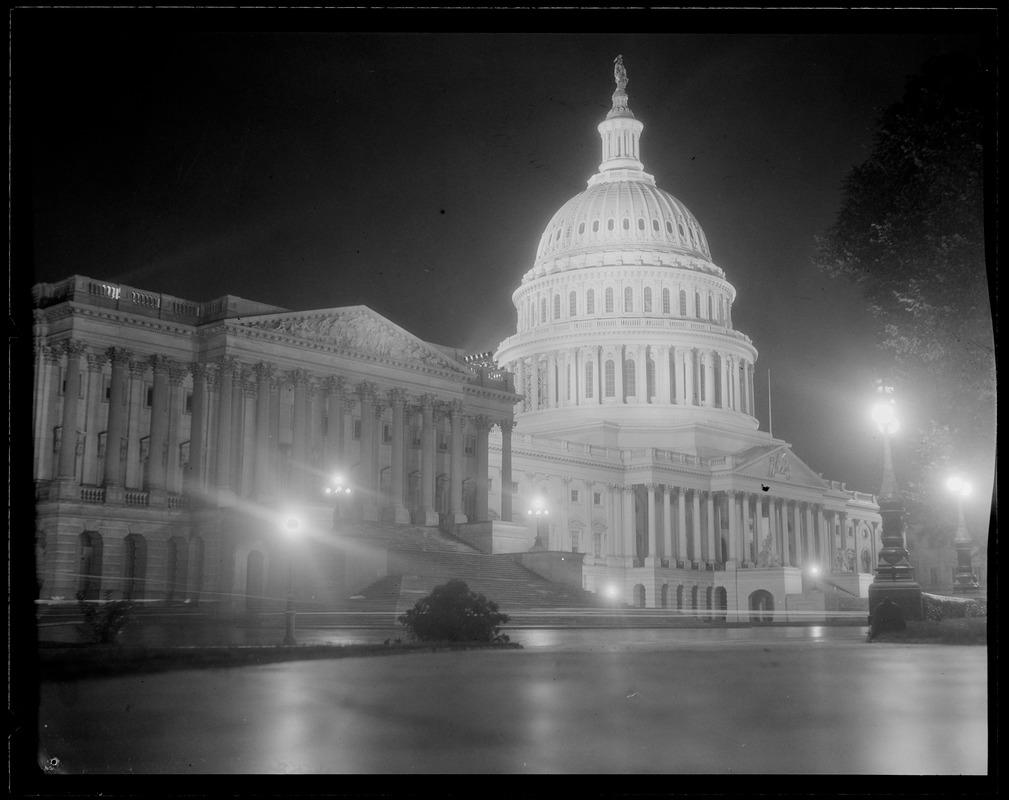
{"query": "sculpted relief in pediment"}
pixel 357 331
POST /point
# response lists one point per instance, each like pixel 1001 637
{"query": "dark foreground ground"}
pixel 811 701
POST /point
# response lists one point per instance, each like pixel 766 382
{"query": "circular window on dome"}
pixel 627 224
pixel 655 225
pixel 595 226
pixel 609 224
pixel 581 228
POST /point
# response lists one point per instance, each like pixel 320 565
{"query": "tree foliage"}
pixel 454 613
pixel 911 234
pixel 103 622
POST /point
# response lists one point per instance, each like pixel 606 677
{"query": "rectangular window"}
pixel 574 495
pixel 386 433
pixel 189 402
pixel 515 490
pixel 148 396
pixel 357 428
pixel 574 541
pixel 107 393
pixel 470 445
pixel 597 498
pixel 442 442
pixel 415 437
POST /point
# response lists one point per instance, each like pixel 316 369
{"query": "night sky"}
pixel 414 172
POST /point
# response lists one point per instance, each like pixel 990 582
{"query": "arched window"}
pixel 572 304
pixel 655 225
pixel 697 304
pixel 669 226
pixel 610 379
pixel 648 300
pixel 543 310
pixel 711 310
pixel 628 299
pixel 557 306
pixel 609 224
pixel 609 300
pixel 588 379
pixel 581 228
pixel 665 302
pixel 703 387
pixel 649 378
pixel 590 302
pixel 641 223
pixel 567 384
pixel 627 224
pixel 683 303
pixel 595 226
pixel 630 386
pixel 558 237
pixel 679 227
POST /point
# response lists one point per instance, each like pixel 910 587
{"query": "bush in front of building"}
pixel 103 622
pixel 937 607
pixel 454 613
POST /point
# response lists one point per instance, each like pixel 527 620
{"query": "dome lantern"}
pixel 620 131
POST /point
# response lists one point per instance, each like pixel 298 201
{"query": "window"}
pixel 650 378
pixel 669 227
pixel 679 227
pixel 442 441
pixel 107 384
pixel 581 228
pixel 665 302
pixel 595 226
pixel 588 380
pixel 557 306
pixel 470 445
pixel 610 379
pixel 515 489
pixel 574 495
pixel 629 375
pixel 567 384
pixel 628 299
pixel 543 309
pixel 697 305
pixel 558 236
pixel 703 390
pixel 590 302
pixel 711 311
pixel 597 498
pixel 627 224
pixel 572 304
pixel 183 455
pixel 641 224
pixel 609 224
pixel 386 433
pixel 189 402
pixel 655 225
pixel 148 396
pixel 574 541
pixel 648 300
pixel 415 436
pixel 609 301
pixel 683 303
pixel 357 428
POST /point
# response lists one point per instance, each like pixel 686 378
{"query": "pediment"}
pixel 356 330
pixel 777 462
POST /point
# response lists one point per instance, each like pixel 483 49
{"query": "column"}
pixel 237 421
pixel 177 401
pixel 225 381
pixel 315 447
pixel 534 384
pixel 578 377
pixel 377 431
pixel 808 544
pixel 562 539
pixel 116 422
pixel 197 430
pixel 709 378
pixel 667 524
pixel 274 441
pixel 159 425
pixel 614 540
pixel 723 382
pixel 397 404
pixel 427 445
pixel 457 467
pixel 821 529
pixel 842 530
pixel 696 526
pixel 746 537
pixel 618 377
pixel 628 534
pixel 641 375
pixel 67 469
pixel 483 426
pixel 93 391
pixel 506 468
pixel 733 511
pixel 366 464
pixel 735 384
pixel 650 516
pixel 797 526
pixel 264 372
pixel 662 375
pixel 688 376
pixel 681 524
pixel 519 367
pixel 333 387
pixel 299 431
pixel 714 554
pixel 590 531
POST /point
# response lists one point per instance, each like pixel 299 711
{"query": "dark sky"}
pixel 414 172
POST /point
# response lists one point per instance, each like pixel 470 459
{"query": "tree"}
pixel 454 613
pixel 911 234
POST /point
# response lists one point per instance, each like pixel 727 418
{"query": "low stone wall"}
pixel 555 566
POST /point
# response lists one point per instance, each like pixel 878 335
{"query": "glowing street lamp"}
pixel 539 511
pixel 894 576
pixel 291 530
pixel 337 490
pixel 964 580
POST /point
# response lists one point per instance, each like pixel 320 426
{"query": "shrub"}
pixel 103 622
pixel 454 613
pixel 937 607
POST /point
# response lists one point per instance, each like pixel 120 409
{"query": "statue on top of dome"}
pixel 619 72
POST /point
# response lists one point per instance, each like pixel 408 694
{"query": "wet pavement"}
pixel 791 700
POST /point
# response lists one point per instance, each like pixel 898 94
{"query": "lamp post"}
pixel 338 491
pixel 964 580
pixel 292 526
pixel 894 576
pixel 539 511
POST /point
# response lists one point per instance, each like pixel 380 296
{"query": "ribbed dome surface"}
pixel 628 212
